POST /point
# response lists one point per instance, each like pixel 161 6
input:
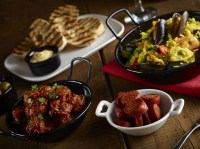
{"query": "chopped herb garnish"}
pixel 40 116
pixel 52 95
pixel 29 101
pixel 41 99
pixel 55 86
pixel 34 87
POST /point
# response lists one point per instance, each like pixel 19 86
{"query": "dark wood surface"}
pixel 94 132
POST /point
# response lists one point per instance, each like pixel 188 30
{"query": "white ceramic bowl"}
pixel 168 108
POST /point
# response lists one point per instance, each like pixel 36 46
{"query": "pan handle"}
pixel 89 68
pixel 114 13
pixel 19 136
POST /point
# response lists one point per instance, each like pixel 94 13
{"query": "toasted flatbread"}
pixel 80 36
pixel 76 34
pixel 64 23
pixel 23 48
pixel 93 24
pixel 67 10
pixel 42 33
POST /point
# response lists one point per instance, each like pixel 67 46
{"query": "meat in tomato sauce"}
pixel 47 107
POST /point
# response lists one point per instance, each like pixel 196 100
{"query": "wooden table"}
pixel 94 132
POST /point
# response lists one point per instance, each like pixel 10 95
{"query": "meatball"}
pixel 19 114
pixel 78 103
pixel 59 108
pixel 44 90
pixel 36 106
pixel 63 92
pixel 37 125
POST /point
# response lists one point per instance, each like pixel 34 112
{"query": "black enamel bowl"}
pixel 9 97
pixel 171 75
pixel 62 131
pixel 46 66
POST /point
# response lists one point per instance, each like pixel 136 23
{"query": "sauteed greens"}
pixel 168 43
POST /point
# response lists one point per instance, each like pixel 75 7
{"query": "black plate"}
pixel 62 131
pixel 173 75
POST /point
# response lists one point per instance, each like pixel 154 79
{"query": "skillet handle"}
pixel 89 68
pixel 114 13
pixel 19 136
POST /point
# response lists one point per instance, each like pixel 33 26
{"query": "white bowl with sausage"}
pixel 168 107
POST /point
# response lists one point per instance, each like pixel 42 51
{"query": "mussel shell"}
pixel 175 24
pixel 159 32
pixel 182 23
pixel 170 74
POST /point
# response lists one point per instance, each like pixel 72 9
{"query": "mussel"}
pixel 182 23
pixel 179 23
pixel 175 22
pixel 159 32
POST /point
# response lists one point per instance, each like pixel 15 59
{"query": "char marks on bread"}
pixel 23 47
pixel 43 33
pixel 93 24
pixel 65 19
pixel 62 28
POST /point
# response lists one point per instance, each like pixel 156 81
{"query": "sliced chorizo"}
pixel 138 121
pixel 119 113
pixel 135 108
pixel 124 122
pixel 146 118
pixel 154 112
pixel 151 98
pixel 123 97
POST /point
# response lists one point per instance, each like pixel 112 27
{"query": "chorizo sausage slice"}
pixel 151 98
pixel 119 112
pixel 123 122
pixel 123 97
pixel 147 119
pixel 154 112
pixel 138 121
pixel 135 108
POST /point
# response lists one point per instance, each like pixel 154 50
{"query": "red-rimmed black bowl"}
pixel 77 87
pixel 170 75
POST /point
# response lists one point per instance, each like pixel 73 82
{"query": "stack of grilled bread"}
pixel 63 28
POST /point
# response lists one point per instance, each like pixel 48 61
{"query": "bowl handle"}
pixel 177 107
pixel 89 68
pixel 19 136
pixel 100 106
pixel 114 13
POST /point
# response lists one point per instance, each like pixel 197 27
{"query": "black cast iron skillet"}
pixel 62 131
pixel 170 75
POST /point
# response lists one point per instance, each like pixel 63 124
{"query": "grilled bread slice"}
pixel 76 34
pixel 93 24
pixel 66 10
pixel 79 36
pixel 64 23
pixel 22 48
pixel 42 33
